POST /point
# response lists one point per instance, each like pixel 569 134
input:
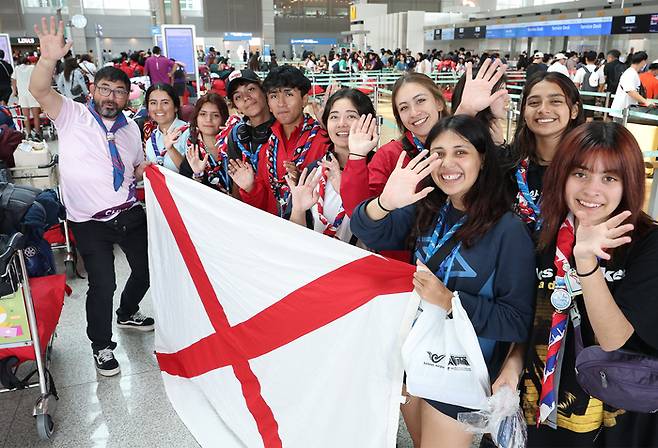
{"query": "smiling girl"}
pixel 466 234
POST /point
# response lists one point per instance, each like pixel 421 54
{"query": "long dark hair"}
pixel 361 102
pixel 169 90
pixel 213 98
pixel 620 154
pixel 70 64
pixel 485 203
pixel 524 144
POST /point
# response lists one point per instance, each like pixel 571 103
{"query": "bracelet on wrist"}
pixel 379 204
pixel 596 268
pixel 358 155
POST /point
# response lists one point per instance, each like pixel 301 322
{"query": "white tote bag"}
pixel 443 359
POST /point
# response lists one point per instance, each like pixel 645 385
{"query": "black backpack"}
pixel 15 200
pixel 616 71
pixel 585 85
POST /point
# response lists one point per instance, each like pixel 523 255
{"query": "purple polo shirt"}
pixel 158 69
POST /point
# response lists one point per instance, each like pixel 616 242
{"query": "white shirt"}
pixel 332 205
pixel 559 67
pixel 629 80
pixel 22 75
pixel 581 77
pixel 89 69
pixel 424 66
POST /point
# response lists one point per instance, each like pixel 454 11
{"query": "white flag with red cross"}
pixel 269 334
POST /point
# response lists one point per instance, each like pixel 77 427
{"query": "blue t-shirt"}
pixel 181 144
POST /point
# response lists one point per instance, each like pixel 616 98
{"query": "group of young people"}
pixel 525 231
pixel 510 221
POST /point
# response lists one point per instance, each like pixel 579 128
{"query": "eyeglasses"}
pixel 119 93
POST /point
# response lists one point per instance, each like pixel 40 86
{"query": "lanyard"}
pixel 439 237
pixel 415 141
pixel 159 155
pixel 217 170
pixel 528 209
pixel 252 156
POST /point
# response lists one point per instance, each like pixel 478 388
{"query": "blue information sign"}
pixel 313 41
pixel 179 45
pixel 595 26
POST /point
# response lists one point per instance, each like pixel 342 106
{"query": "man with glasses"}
pixel 100 159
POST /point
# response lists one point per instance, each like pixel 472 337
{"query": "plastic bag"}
pixel 443 359
pixel 502 418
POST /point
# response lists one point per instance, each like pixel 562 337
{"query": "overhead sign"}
pixel 155 30
pixel 5 46
pixel 471 32
pixel 595 26
pixel 447 33
pixel 313 41
pixel 238 37
pixel 24 40
pixel 638 24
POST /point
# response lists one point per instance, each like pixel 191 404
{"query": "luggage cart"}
pixel 59 236
pixel 14 275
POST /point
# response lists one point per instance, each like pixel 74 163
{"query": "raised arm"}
pixel 53 48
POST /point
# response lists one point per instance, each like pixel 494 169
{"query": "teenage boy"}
pixel 100 159
pixel 249 135
pixel 296 141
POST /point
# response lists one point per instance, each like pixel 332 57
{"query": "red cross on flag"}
pixel 269 334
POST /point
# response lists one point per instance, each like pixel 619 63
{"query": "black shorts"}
pixel 451 410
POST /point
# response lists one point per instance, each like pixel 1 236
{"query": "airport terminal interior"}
pixel 71 376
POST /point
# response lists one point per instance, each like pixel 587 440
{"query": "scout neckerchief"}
pixel 415 141
pixel 439 237
pixel 118 168
pixel 310 129
pixel 567 285
pixel 149 127
pixel 330 227
pixel 217 169
pixel 161 153
pixel 222 137
pixel 247 154
pixel 527 209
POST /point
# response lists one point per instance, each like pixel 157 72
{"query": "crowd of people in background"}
pixel 566 208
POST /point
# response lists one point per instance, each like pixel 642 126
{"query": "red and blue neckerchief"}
pixel 414 141
pixel 547 410
pixel 118 168
pixel 222 137
pixel 216 170
pixel 330 227
pixel 310 129
pixel 528 210
pixel 428 246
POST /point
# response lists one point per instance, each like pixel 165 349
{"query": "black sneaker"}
pixel 137 322
pixel 106 364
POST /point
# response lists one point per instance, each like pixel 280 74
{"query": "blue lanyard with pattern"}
pixel 438 239
pixel 528 209
pixel 159 156
pixel 246 154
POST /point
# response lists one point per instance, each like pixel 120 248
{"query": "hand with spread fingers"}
pixel 171 138
pixel 400 189
pixel 593 240
pixel 304 193
pixel 319 106
pixel 51 40
pixel 477 94
pixel 242 174
pixel 197 164
pixel 430 288
pixel 363 136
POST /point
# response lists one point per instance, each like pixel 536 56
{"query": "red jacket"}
pixel 262 196
pixel 360 181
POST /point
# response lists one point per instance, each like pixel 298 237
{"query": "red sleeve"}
pixel 354 184
pixel 261 195
pixel 318 149
pixel 382 165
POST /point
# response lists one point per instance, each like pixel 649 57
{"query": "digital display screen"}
pixel 471 32
pixel 447 33
pixel 574 27
pixel 179 43
pixel 637 24
pixel 6 47
pixel 437 34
